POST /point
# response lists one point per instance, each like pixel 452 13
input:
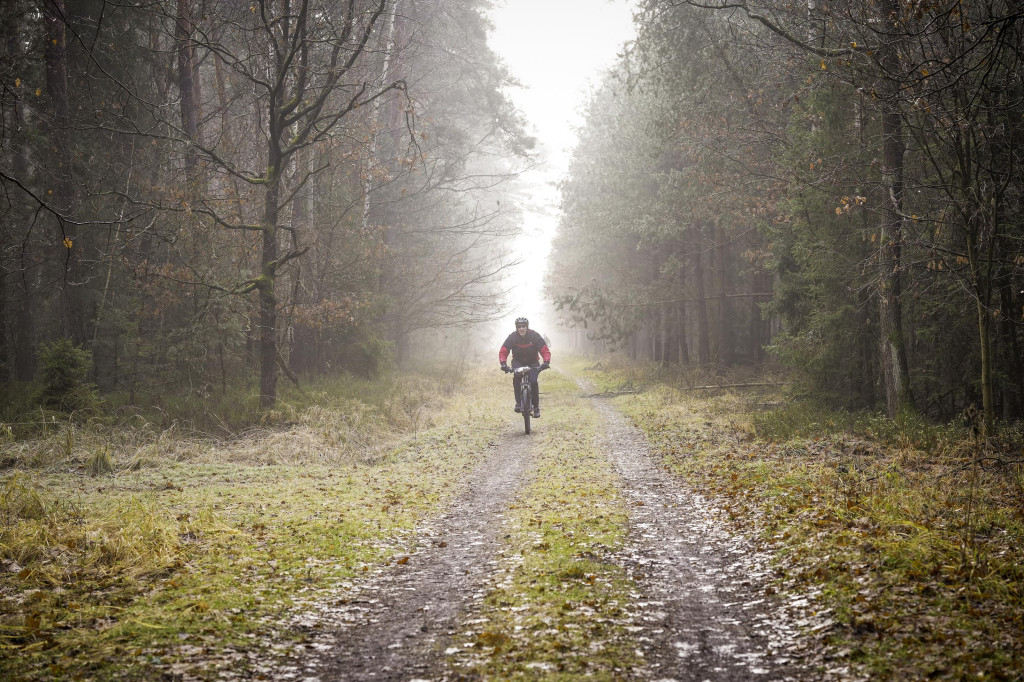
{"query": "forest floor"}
pixel 674 542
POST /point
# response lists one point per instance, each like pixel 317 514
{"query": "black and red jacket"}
pixel 525 349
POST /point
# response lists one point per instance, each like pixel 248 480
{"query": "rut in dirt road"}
pixel 701 611
pixel 395 627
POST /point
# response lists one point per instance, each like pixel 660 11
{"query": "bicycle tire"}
pixel 527 402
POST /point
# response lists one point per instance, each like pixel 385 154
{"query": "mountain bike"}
pixel 525 394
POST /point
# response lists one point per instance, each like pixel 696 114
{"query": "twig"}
pixel 288 372
pixel 979 460
pixel 702 388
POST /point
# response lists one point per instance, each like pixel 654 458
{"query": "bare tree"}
pixel 304 62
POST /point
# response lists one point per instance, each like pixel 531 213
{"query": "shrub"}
pixel 64 369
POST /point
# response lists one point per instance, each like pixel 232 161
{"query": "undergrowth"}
pixel 339 418
pixel 227 411
pixel 912 530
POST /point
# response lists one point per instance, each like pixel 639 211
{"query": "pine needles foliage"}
pixel 65 369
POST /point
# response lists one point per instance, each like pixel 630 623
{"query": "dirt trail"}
pixel 395 627
pixel 702 611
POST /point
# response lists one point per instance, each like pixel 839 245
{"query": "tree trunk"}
pixel 394 321
pixel 301 347
pixel 1015 361
pixel 16 156
pixel 69 248
pixel 187 84
pixel 389 46
pixel 684 350
pixel 867 385
pixel 895 371
pixel 268 275
pixel 985 339
pixel 5 349
pixel 668 314
pixel 755 323
pixel 982 274
pixel 703 334
pixel 24 329
pixel 725 333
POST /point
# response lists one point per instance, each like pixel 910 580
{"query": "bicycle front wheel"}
pixel 526 401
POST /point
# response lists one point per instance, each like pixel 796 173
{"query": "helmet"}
pixel 520 321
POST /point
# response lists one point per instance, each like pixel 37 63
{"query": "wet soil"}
pixel 703 607
pixel 395 625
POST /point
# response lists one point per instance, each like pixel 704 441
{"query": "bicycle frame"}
pixel 525 373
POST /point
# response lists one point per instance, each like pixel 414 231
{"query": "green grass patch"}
pixel 912 531
pixel 558 608
pixel 190 554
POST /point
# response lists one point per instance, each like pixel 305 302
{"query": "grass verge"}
pixel 912 532
pixel 558 607
pixel 163 555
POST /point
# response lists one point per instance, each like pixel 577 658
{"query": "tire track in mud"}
pixel 395 625
pixel 701 610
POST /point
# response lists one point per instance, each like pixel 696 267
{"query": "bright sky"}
pixel 557 49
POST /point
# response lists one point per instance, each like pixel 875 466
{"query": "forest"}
pixel 257 259
pixel 834 186
pixel 207 195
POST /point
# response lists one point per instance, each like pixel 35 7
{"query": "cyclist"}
pixel 526 347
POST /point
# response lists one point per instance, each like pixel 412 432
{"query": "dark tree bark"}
pixel 703 333
pixel 980 263
pixel 188 86
pixel 14 154
pixel 895 370
pixel 19 311
pixel 24 322
pixel 1011 342
pixel 69 249
pixel 725 326
pixel 5 373
pixel 265 285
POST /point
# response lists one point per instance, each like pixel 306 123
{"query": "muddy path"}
pixel 704 608
pixel 395 625
pixel 701 607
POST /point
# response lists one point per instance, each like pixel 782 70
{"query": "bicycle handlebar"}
pixel 526 368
